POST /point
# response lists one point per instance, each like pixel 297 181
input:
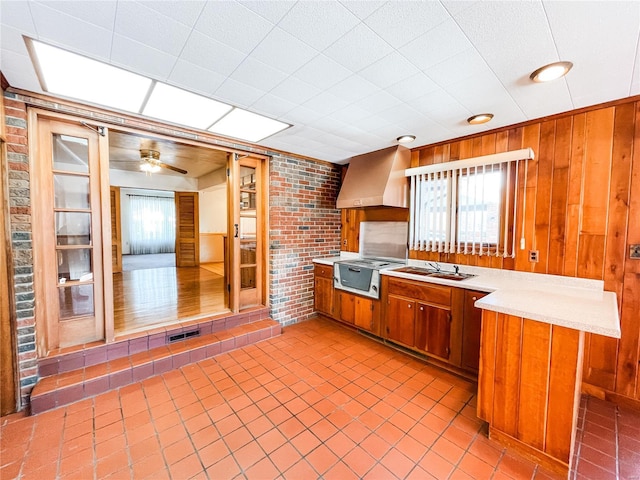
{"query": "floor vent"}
pixel 183 336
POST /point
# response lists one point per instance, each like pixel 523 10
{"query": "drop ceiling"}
pixel 350 76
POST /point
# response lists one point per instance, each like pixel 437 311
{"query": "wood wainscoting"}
pixel 582 210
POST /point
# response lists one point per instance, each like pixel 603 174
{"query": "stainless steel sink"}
pixel 430 272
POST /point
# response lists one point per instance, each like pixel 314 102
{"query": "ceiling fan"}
pixel 150 162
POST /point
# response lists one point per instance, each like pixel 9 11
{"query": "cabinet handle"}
pixel 474 298
pixel 408 305
pixel 422 309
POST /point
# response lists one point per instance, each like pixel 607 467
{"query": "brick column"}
pixel 21 246
pixel 304 224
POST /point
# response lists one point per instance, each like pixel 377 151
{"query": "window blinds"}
pixel 464 206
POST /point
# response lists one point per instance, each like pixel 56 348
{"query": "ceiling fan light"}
pixel 551 72
pixel 480 118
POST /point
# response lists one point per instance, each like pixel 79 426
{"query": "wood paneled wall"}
pixel 582 212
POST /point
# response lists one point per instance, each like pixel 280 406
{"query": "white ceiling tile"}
pixel 389 70
pixel 147 26
pixel 237 93
pixel 378 102
pixel 272 11
pixel 440 105
pixel 322 72
pixel 464 65
pixel 358 48
pixel 603 66
pixel 353 88
pixel 477 93
pixel 325 103
pixel 68 32
pixel 438 44
pixel 132 55
pixel 295 90
pixel 318 24
pixel 18 16
pixel 400 22
pixel 371 122
pixel 233 24
pixel 272 51
pixel 181 11
pixel 102 13
pixel 273 106
pixel 18 70
pixel 413 87
pixel 350 114
pixel 362 8
pixel 195 78
pixel 11 40
pixel 403 115
pixel 301 115
pixel 501 32
pixel 535 99
pixel 456 6
pixel 257 74
pixel 211 54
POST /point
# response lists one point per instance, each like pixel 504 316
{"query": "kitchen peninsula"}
pixel 531 348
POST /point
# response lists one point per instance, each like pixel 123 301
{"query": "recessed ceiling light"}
pixel 480 118
pixel 74 76
pixel 551 72
pixel 406 138
pixel 247 126
pixel 185 108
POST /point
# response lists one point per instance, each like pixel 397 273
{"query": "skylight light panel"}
pixel 247 126
pixel 185 108
pixel 71 75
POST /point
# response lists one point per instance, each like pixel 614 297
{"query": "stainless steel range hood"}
pixel 376 179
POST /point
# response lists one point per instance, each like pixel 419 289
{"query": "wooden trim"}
pixel 529 452
pixel 602 394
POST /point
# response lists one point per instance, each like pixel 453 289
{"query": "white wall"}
pixel 213 209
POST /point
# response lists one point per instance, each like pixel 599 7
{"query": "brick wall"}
pixel 22 252
pixel 304 224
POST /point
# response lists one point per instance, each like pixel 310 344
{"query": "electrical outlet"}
pixel 634 251
pixel 533 255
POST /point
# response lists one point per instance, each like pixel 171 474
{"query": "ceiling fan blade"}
pixel 171 167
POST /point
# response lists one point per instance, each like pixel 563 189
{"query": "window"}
pixel 466 206
pixel 152 227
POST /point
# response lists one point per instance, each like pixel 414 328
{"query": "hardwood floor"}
pixel 152 297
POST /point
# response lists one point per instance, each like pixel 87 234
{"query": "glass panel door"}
pixel 68 246
pixel 248 232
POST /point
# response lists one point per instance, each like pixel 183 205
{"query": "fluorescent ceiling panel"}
pixel 247 126
pixel 75 76
pixel 179 106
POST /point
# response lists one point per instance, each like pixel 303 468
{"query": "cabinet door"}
pixel 323 295
pixel 471 327
pixel 400 320
pixel 433 330
pixel 364 313
pixel 347 307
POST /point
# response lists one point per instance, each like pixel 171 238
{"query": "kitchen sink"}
pixel 430 272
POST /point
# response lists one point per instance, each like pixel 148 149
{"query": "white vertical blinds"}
pixel 464 206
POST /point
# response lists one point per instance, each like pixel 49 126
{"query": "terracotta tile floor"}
pixel 318 401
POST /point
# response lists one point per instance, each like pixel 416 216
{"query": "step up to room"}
pixel 67 385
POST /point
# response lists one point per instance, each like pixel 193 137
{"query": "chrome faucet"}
pixel 435 266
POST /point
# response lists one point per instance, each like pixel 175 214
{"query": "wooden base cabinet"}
pixel 324 294
pixel 422 316
pixel 471 331
pixel 361 312
pixel 529 386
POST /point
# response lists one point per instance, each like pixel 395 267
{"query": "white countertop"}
pixel 577 303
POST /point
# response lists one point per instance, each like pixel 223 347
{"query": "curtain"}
pixel 152 225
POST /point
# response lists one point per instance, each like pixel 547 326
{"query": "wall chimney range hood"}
pixel 376 179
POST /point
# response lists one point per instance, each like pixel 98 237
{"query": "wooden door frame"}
pixel 262 233
pixel 35 116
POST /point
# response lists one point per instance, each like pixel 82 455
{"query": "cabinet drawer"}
pixel 325 271
pixel 436 294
